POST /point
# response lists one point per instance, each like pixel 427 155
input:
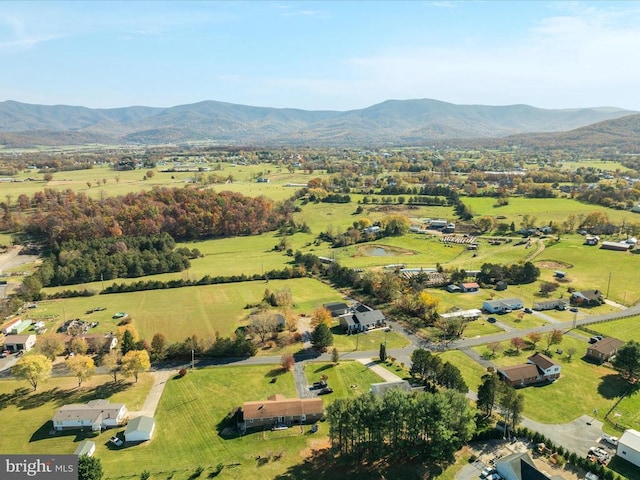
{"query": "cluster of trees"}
pixel 495 394
pixel 185 214
pixel 432 424
pixel 514 274
pixel 79 261
pixel 430 368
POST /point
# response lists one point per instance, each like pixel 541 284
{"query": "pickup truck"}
pixel 116 441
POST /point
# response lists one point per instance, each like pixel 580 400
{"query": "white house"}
pixel 140 429
pixel 94 416
pixel 629 447
pixel 502 305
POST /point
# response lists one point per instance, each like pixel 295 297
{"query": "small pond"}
pixel 378 252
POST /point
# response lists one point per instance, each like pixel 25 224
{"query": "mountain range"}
pixel 391 123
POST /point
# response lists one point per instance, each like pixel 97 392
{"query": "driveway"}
pixel 380 371
pixel 300 379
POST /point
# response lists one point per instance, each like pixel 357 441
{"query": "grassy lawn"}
pixel 625 329
pixel 27 414
pixel 347 378
pixel 479 328
pixel 470 370
pixel 181 312
pixel 367 341
pixel 581 388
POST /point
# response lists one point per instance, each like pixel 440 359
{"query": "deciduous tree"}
pixel 51 345
pixel 554 337
pixel 81 366
pixel 32 368
pixel 89 468
pixel 321 315
pixel 628 360
pixel 134 362
pixel 111 361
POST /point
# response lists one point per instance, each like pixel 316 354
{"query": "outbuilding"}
pixel 629 447
pixel 140 429
pixel 86 447
pixel 16 343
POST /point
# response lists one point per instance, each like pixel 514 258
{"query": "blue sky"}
pixel 324 55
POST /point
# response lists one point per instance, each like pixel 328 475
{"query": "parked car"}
pixel 491 319
pixel 487 471
pixel 611 440
pixel 574 309
pixel 591 476
pixel 325 391
pixel 528 310
pixel 595 339
pixel 320 384
pixel 494 476
pixel 20 353
pixel 116 441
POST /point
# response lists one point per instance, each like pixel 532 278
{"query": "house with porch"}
pixel 362 319
pixel 538 369
pixel 505 305
pixel 278 410
pixel 587 298
pixel 604 349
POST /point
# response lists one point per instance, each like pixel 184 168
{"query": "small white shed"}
pixel 140 429
pixel 86 447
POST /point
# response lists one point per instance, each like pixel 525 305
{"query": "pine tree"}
pixel 321 338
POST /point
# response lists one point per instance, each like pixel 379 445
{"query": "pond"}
pixel 378 252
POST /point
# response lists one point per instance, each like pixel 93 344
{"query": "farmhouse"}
pixel 503 305
pixel 15 343
pixel 140 429
pixel 587 298
pixel 97 343
pixel 556 304
pixel 279 410
pixel 538 369
pixel 604 349
pixel 94 416
pixel 629 446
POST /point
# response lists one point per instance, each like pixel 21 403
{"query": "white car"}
pixel 487 471
pixel 116 441
pixel 494 476
pixel 611 440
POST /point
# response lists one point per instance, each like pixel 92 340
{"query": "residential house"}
pixel 15 343
pixel 469 287
pixel 556 304
pixel 140 429
pixel 96 342
pixel 8 326
pixel 337 308
pixel 604 349
pixel 505 305
pixel 467 315
pixel 95 416
pixel 278 410
pixel 538 369
pixel 629 447
pixel 362 319
pixel 520 466
pixel 587 298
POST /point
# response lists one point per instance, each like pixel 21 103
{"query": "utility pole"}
pixel 608 284
pixel 192 359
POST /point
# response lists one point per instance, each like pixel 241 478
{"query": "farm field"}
pixel 625 329
pixel 182 312
pixel 581 388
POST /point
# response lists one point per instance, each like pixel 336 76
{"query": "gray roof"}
pixel 369 318
pixel 140 424
pixel 85 448
pixel 94 411
pixel 630 438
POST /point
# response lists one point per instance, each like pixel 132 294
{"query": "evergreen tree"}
pixel 383 352
pixel 321 338
pixel 487 393
pixel 89 468
pixel 128 342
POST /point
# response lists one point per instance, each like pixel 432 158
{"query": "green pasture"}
pixel 581 388
pixel 545 210
pixel 609 165
pixel 181 312
pixel 347 378
pixel 27 414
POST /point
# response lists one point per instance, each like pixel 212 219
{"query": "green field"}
pixel 347 379
pixel 367 341
pixel 625 329
pixel 182 312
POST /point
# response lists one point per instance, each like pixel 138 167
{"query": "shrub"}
pixel 182 372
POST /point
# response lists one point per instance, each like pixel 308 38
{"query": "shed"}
pixel 86 447
pixel 140 429
pixel 380 389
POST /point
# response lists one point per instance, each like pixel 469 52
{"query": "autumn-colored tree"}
pixel 111 361
pixel 495 347
pixel 158 346
pixel 32 368
pixel 533 338
pixel 287 361
pixel 554 337
pixel 78 346
pixel 134 362
pixel 81 366
pixel 321 315
pixel 518 343
pixel 51 345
